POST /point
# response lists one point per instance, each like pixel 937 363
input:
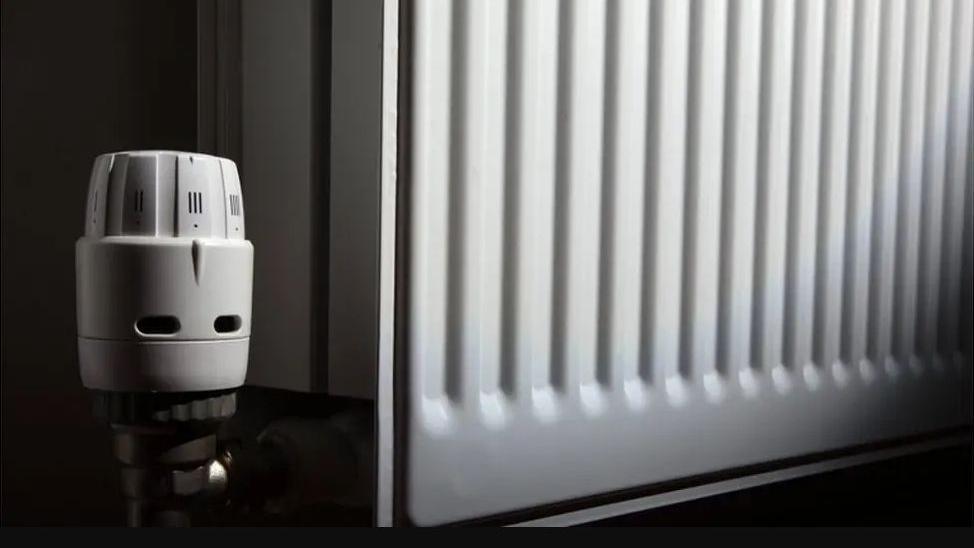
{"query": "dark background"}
pixel 79 79
pixel 84 78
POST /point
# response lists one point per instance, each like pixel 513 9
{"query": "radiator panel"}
pixel 653 240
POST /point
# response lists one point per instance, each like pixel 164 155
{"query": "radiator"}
pixel 648 241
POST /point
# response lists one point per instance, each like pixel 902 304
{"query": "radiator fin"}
pixel 631 220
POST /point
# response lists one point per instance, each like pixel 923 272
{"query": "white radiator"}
pixel 650 240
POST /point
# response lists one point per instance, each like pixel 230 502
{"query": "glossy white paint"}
pixel 651 240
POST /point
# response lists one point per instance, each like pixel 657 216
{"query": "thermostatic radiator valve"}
pixel 164 275
pixel 164 281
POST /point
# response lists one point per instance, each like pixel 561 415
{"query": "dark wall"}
pixel 79 79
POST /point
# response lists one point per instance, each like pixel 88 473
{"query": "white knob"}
pixel 164 274
pixel 165 194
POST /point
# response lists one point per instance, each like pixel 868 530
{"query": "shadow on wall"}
pixel 79 79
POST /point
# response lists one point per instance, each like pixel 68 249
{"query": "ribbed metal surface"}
pixel 655 239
